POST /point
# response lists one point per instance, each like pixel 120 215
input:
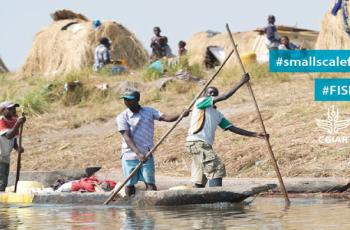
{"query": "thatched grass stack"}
pixel 248 42
pixel 67 14
pixel 3 68
pixel 332 34
pixel 68 45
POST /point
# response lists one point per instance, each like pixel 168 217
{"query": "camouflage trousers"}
pixel 206 165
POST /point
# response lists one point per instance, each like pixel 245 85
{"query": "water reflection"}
pixel 4 217
pixel 262 214
pixel 210 216
pixel 136 220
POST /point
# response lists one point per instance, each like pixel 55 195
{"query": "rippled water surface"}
pixel 262 213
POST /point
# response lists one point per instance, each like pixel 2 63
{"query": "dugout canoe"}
pixel 235 194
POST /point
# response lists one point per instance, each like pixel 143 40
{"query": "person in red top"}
pixel 9 129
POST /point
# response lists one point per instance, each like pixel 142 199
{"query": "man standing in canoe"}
pixel 9 129
pixel 206 165
pixel 136 125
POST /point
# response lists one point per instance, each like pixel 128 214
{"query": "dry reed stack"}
pixel 333 33
pixel 68 45
pixel 3 68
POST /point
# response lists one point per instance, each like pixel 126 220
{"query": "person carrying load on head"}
pixel 9 129
pixel 206 165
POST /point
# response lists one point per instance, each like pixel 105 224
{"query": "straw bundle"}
pixel 68 45
pixel 67 14
pixel 3 68
pixel 332 34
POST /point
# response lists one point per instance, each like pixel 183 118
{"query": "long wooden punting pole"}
pixel 19 156
pixel 282 187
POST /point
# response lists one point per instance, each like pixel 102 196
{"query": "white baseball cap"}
pixel 7 105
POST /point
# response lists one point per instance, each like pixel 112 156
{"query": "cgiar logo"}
pixel 333 125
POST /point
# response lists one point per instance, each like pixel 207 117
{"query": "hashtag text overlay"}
pixel 327 89
pixel 309 61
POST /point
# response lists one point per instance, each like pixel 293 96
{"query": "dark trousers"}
pixel 4 173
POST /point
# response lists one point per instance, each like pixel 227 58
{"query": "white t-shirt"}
pixel 204 121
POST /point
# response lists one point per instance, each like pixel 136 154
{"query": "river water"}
pixel 261 213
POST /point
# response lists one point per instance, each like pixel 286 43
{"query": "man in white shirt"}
pixel 206 165
pixel 9 129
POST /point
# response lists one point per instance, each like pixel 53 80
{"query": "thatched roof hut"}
pixel 68 44
pixel 333 33
pixel 3 68
pixel 248 42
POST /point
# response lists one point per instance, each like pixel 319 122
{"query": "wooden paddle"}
pixel 18 170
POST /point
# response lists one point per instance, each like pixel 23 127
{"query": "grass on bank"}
pixel 285 100
pixel 170 68
pixel 42 95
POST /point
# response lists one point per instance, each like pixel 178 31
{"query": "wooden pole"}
pixel 18 169
pixel 268 144
pixel 115 191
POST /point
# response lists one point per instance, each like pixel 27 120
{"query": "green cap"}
pixel 130 94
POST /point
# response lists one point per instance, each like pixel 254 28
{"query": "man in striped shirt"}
pixel 136 125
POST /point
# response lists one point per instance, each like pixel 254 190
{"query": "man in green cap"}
pixel 136 125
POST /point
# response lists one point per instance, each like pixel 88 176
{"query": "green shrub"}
pixel 150 75
pixel 151 96
pixel 196 70
pixel 34 102
pixel 179 87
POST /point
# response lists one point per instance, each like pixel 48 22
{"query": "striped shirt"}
pixel 141 127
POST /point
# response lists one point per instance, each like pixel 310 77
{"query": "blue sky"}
pixel 179 19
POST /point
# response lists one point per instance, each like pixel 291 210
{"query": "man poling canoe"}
pixel 136 125
pixel 10 127
pixel 206 165
pixel 154 148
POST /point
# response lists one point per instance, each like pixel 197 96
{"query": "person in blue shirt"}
pixel 102 54
pixel 272 37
